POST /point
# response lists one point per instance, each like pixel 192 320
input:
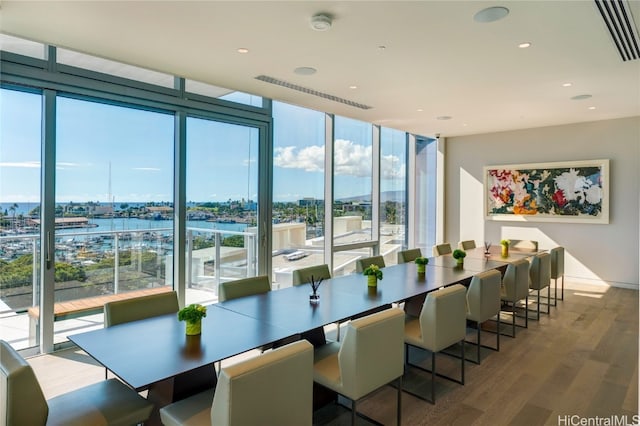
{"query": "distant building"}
pixel 310 202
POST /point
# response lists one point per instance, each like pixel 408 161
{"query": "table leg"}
pixel 179 387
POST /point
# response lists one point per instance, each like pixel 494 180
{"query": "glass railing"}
pixel 89 265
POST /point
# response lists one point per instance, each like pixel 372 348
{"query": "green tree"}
pixel 233 241
pixel 13 209
pixel 67 272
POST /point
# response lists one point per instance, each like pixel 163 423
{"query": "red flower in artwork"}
pixel 558 198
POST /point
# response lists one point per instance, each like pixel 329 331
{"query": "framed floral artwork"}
pixel 574 191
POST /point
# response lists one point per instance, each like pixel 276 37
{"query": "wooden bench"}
pixel 88 306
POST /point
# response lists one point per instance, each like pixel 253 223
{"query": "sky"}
pixel 109 153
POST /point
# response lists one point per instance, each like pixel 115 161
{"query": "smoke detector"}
pixel 320 22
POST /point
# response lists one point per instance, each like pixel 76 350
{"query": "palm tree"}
pixel 13 209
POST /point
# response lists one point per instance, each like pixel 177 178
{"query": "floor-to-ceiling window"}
pixel 114 202
pixel 393 193
pixel 20 138
pixel 352 191
pixel 298 190
pixel 426 155
pixel 222 206
pixel 115 122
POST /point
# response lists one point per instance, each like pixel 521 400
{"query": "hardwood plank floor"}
pixel 581 360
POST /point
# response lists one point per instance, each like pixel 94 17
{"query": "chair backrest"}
pixel 466 245
pixel 273 388
pixel 443 319
pixel 244 287
pixel 557 262
pixel 523 245
pixel 540 271
pixel 23 402
pixel 406 256
pixel 364 262
pixel 303 275
pixel 372 352
pixel 483 295
pixel 138 308
pixel 515 282
pixel 440 249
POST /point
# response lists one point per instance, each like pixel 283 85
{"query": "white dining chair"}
pixel 108 402
pixel 442 323
pixel 539 279
pixel 369 357
pixel 275 388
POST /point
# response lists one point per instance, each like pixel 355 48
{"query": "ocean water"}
pixel 135 224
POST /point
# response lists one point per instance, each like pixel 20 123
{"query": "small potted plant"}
pixel 459 256
pixel 422 263
pixel 373 273
pixel 193 315
pixel 505 247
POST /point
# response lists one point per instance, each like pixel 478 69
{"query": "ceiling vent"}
pixel 619 21
pixel 308 91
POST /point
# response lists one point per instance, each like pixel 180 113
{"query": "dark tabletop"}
pixel 342 297
pixel 495 254
pixel 471 263
pixel 148 351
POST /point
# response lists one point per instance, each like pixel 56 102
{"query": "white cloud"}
pixel 392 167
pixel 22 165
pixel 309 159
pixel 349 159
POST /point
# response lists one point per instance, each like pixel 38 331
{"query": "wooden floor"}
pixel 582 360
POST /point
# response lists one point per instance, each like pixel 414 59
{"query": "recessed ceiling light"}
pixel 321 22
pixel 243 50
pixel 444 117
pixel 566 85
pixel 419 110
pixel 580 97
pixel 592 107
pixel 353 87
pixel 305 70
pixel 491 14
pixel 524 45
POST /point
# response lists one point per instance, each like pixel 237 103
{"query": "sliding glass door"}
pixel 222 206
pixel 113 208
pixel 20 166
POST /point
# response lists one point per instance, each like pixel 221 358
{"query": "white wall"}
pixel 594 253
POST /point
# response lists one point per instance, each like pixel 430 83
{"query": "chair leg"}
pixel 462 363
pixel 562 292
pixel 433 377
pixel 555 292
pixel 353 412
pixel 498 334
pixel 526 311
pixel 399 415
pixel 478 328
pixel 434 372
pixel 513 320
pixel 548 299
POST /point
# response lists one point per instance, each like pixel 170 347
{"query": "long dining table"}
pixel 155 353
pixel 495 254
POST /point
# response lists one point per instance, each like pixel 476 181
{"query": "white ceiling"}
pixel 436 58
